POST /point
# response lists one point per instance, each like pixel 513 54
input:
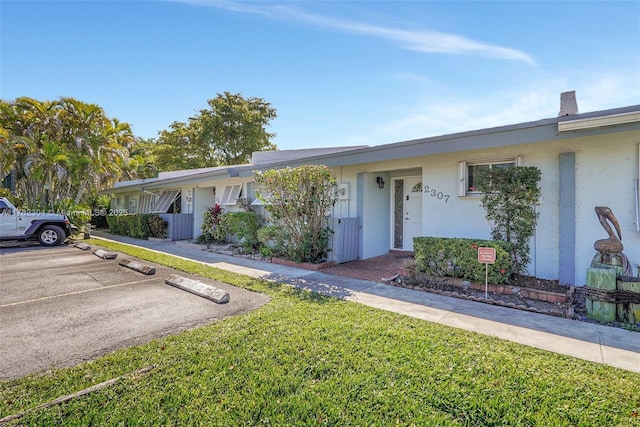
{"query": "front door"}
pixel 407 221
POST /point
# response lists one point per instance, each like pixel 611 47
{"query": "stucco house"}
pixel 425 187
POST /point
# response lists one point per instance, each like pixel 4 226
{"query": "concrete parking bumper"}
pixel 198 288
pixel 61 306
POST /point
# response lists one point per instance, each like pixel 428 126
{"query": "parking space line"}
pixel 77 292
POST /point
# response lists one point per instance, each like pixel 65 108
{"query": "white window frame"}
pixel 463 171
pixel 231 194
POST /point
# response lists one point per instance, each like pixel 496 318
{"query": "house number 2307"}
pixel 435 193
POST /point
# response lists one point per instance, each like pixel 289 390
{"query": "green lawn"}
pixel 305 359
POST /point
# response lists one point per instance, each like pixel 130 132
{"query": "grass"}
pixel 306 359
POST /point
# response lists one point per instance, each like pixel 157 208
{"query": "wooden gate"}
pixel 344 240
pixel 180 226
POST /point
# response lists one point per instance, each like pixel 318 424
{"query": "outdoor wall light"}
pixel 380 182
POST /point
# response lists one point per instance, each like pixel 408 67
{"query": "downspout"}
pixel 193 213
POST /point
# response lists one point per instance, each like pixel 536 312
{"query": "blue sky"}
pixel 337 72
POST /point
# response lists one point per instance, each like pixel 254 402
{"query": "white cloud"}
pixel 445 110
pixel 424 41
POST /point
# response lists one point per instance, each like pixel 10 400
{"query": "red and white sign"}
pixel 487 255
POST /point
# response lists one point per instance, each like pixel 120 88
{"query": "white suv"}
pixel 50 229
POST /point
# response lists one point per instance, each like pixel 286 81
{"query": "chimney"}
pixel 568 104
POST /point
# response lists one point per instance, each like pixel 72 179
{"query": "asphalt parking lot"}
pixel 62 306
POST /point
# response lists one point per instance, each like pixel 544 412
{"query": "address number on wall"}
pixel 436 194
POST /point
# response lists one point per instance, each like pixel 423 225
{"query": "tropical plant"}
pixel 510 197
pixel 299 200
pixel 63 149
pixel 211 231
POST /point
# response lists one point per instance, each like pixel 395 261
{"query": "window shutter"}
pixel 225 195
pixel 462 178
pixel 164 203
pixel 231 194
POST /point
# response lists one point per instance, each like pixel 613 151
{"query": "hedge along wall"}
pixel 140 226
pixel 452 257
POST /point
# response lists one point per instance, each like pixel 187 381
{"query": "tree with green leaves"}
pixel 61 150
pixel 510 197
pixel 142 160
pixel 299 201
pixel 226 133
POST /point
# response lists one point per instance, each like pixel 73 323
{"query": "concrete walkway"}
pixel 602 344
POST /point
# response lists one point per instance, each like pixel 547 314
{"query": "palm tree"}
pixel 7 153
pixel 61 149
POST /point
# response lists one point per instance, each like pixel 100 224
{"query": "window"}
pixel 231 194
pixel 468 173
pixel 164 202
pixel 133 206
pixel 5 209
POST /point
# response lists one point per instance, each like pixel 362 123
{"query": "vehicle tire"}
pixel 51 235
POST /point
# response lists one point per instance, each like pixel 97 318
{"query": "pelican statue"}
pixel 613 244
pixel 610 250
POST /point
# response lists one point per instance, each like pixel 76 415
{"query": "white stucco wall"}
pixel 604 172
pixel 376 216
pixel 464 216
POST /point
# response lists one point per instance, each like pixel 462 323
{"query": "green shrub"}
pixel 157 226
pixel 273 241
pixel 244 225
pixel 139 226
pixel 118 225
pixel 79 215
pixel 299 200
pixel 452 257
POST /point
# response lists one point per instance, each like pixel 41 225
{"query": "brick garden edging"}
pixel 569 314
pixel 528 293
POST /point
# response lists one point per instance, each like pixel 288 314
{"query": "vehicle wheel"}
pixel 50 235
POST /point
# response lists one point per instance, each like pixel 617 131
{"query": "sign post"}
pixel 486 256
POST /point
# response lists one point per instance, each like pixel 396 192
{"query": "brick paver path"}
pixel 375 269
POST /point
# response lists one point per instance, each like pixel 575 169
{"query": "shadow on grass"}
pixel 306 289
